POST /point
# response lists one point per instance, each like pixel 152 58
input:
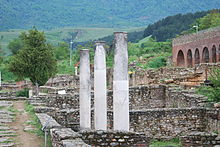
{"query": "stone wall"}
pixel 175 75
pixel 168 123
pixel 65 137
pixel 114 138
pixel 140 97
pixel 163 123
pixel 63 81
pixel 200 139
pixel 178 98
pixel 213 120
pixel 8 94
pixel 16 86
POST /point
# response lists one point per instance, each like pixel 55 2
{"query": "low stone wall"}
pixel 54 90
pixel 65 137
pixel 63 81
pixel 158 123
pixel 140 98
pixel 114 138
pixel 8 94
pixel 213 120
pixel 65 101
pixel 200 139
pixel 168 123
pixel 178 98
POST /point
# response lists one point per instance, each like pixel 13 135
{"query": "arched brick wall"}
pixel 197 56
pixel 205 55
pixel 180 59
pixel 189 58
pixel 214 54
pixel 218 54
pixel 200 47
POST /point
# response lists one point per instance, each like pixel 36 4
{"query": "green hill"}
pixel 48 14
pixel 64 34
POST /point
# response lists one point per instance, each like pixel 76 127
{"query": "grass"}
pixel 2 107
pixel 12 109
pixel 171 143
pixel 36 123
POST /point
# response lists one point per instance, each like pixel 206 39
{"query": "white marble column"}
pixel 100 103
pixel 85 90
pixel 30 93
pixel 120 83
pixel 76 70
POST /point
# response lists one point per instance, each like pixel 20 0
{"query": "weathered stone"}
pixel 121 83
pixel 85 90
pixel 100 88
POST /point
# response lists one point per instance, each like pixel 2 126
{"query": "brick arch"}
pixel 180 58
pixel 205 55
pixel 197 56
pixel 219 53
pixel 214 54
pixel 189 58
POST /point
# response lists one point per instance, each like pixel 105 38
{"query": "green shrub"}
pixel 23 93
pixel 157 62
pixel 213 93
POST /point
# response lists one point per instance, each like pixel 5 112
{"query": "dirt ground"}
pixel 24 139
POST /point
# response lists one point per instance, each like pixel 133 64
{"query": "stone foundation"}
pixel 65 137
pixel 114 138
pixel 200 139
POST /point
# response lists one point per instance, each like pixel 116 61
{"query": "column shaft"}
pixel 100 103
pixel 85 90
pixel 120 83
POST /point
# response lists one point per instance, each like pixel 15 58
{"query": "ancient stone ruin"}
pixel 109 107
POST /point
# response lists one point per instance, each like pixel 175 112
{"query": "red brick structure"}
pixel 201 47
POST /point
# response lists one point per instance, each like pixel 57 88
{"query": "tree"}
pixel 15 45
pixel 170 26
pixel 62 51
pixel 35 60
pixel 210 20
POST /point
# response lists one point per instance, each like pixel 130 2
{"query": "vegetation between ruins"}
pixel 171 143
pixel 36 123
pixel 212 91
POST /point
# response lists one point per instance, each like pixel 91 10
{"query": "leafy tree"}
pixel 210 20
pixel 62 51
pixel 170 26
pixel 35 60
pixel 15 45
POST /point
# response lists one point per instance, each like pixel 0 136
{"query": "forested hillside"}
pixel 166 28
pixel 170 26
pixel 47 14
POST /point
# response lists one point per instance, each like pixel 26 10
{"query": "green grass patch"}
pixel 2 107
pixel 171 143
pixel 12 109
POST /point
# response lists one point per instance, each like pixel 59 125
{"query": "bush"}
pixel 213 93
pixel 157 62
pixel 23 93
